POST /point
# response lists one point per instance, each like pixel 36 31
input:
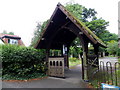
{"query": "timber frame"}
pixel 62 29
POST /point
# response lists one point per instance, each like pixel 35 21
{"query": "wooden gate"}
pixel 56 66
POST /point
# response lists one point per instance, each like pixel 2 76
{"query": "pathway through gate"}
pixel 73 80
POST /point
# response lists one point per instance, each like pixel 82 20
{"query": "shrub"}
pixel 19 61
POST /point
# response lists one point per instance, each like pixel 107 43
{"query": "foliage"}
pixel 21 62
pixel 97 25
pixel 112 47
pixel 88 16
pixel 81 12
pixel 74 61
pixel 38 32
pixel 75 51
pixel 30 76
pixel 75 9
pixel 5 32
pixel 107 37
pixel 54 52
pixel 75 48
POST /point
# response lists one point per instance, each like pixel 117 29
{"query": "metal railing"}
pixel 110 73
pixel 107 72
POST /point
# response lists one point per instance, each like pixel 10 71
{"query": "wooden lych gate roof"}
pixel 63 28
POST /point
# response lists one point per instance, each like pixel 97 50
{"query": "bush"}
pixel 21 62
pixel 112 48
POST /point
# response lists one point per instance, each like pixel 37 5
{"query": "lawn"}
pixel 74 61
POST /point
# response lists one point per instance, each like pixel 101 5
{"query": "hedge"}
pixel 21 62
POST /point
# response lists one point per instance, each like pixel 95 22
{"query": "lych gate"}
pixel 61 30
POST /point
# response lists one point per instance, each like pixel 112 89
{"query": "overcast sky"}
pixel 21 16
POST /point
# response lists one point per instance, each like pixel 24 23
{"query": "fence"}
pixel 108 73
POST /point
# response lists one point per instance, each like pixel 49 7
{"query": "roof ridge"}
pixel 2 35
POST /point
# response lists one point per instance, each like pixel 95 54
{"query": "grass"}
pixel 112 56
pixel 74 61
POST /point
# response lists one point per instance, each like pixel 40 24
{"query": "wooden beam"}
pixel 96 50
pixel 54 34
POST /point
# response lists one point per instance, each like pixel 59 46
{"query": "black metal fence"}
pixel 106 72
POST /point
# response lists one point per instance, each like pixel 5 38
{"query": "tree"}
pixel 113 47
pixel 5 32
pixel 84 15
pixel 11 33
pixel 81 12
pixel 38 32
pixel 97 25
pixel 88 16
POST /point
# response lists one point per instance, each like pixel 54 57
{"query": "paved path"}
pixel 73 80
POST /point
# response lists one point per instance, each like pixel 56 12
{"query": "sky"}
pixel 21 16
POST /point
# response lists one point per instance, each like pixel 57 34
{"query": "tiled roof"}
pixel 3 35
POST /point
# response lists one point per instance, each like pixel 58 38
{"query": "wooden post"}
pixel 96 50
pixel 85 66
pixel 62 52
pixel 67 57
pixel 47 54
pixel 84 43
pixel 47 57
pixel 82 70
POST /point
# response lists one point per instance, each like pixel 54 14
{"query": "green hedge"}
pixel 22 62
